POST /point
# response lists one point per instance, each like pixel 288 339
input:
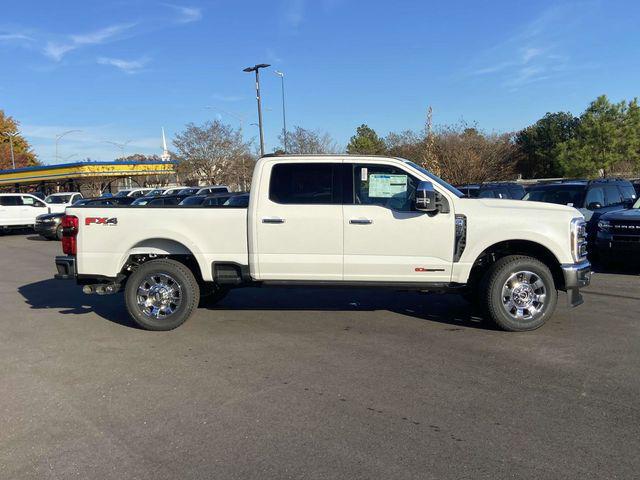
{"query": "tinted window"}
pixel 192 201
pixel 385 186
pixel 612 195
pixel 238 201
pixel 10 201
pixel 219 190
pixel 516 191
pixel 628 192
pixel 486 194
pixel 215 201
pixel 305 183
pixel 595 195
pixel 571 195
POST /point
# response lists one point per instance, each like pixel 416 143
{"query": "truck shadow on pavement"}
pixel 68 299
pixel 448 309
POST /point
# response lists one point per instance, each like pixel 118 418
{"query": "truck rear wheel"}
pixel 161 294
pixel 518 293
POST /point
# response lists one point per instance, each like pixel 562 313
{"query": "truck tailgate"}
pixel 108 235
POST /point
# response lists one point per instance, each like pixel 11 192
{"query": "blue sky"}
pixel 119 70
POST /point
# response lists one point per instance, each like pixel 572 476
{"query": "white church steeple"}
pixel 166 156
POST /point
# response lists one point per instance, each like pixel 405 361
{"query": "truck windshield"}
pixel 436 179
pixel 570 195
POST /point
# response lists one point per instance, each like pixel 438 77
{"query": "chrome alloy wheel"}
pixel 523 295
pixel 159 295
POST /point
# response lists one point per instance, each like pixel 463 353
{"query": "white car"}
pixel 58 202
pixel 341 221
pixel 133 192
pixel 20 210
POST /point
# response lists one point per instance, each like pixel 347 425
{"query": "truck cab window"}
pixel 10 201
pixel 385 186
pixel 306 183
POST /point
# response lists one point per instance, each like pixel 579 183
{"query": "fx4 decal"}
pixel 101 221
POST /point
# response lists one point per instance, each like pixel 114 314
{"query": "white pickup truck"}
pixel 333 221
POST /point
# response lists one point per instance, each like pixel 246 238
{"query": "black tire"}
pixel 212 293
pixel 496 305
pixel 189 294
pixel 59 232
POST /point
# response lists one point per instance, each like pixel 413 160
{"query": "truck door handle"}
pixel 273 220
pixel 360 221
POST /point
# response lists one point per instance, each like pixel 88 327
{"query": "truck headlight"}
pixel 604 225
pixel 578 239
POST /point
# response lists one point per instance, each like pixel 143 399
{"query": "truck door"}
pixel 385 239
pixel 299 222
pixel 31 208
pixel 10 206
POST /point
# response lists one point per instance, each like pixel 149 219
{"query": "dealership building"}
pixel 90 178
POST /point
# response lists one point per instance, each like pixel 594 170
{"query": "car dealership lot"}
pixel 303 383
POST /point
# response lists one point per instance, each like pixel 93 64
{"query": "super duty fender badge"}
pixel 101 221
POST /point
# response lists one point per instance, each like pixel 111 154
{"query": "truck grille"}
pixel 626 228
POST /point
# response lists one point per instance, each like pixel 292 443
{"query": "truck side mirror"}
pixel 425 197
pixel 594 206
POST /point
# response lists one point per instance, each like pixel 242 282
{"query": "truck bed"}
pixel 109 235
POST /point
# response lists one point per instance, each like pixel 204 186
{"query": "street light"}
pixel 11 135
pixel 284 116
pixel 60 135
pixel 256 68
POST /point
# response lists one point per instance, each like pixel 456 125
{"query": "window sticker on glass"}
pixel 387 186
pixel 363 174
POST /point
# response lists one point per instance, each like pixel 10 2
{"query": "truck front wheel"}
pixel 161 294
pixel 518 293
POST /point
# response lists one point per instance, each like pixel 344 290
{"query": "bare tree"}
pixel 214 153
pixel 463 154
pixel 302 141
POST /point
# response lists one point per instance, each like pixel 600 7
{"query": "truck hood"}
pixel 633 214
pixel 505 204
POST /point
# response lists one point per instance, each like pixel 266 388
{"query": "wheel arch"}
pixel 159 247
pixel 530 248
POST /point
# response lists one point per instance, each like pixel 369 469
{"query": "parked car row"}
pixel 18 210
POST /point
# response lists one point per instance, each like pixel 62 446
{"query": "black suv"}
pixel 510 190
pixel 592 197
pixel 618 235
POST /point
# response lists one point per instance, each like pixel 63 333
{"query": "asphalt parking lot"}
pixel 300 383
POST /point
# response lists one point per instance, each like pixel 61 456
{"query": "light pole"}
pixel 60 135
pixel 11 135
pixel 284 115
pixel 256 68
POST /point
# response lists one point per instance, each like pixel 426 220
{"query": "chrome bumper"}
pixel 576 276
